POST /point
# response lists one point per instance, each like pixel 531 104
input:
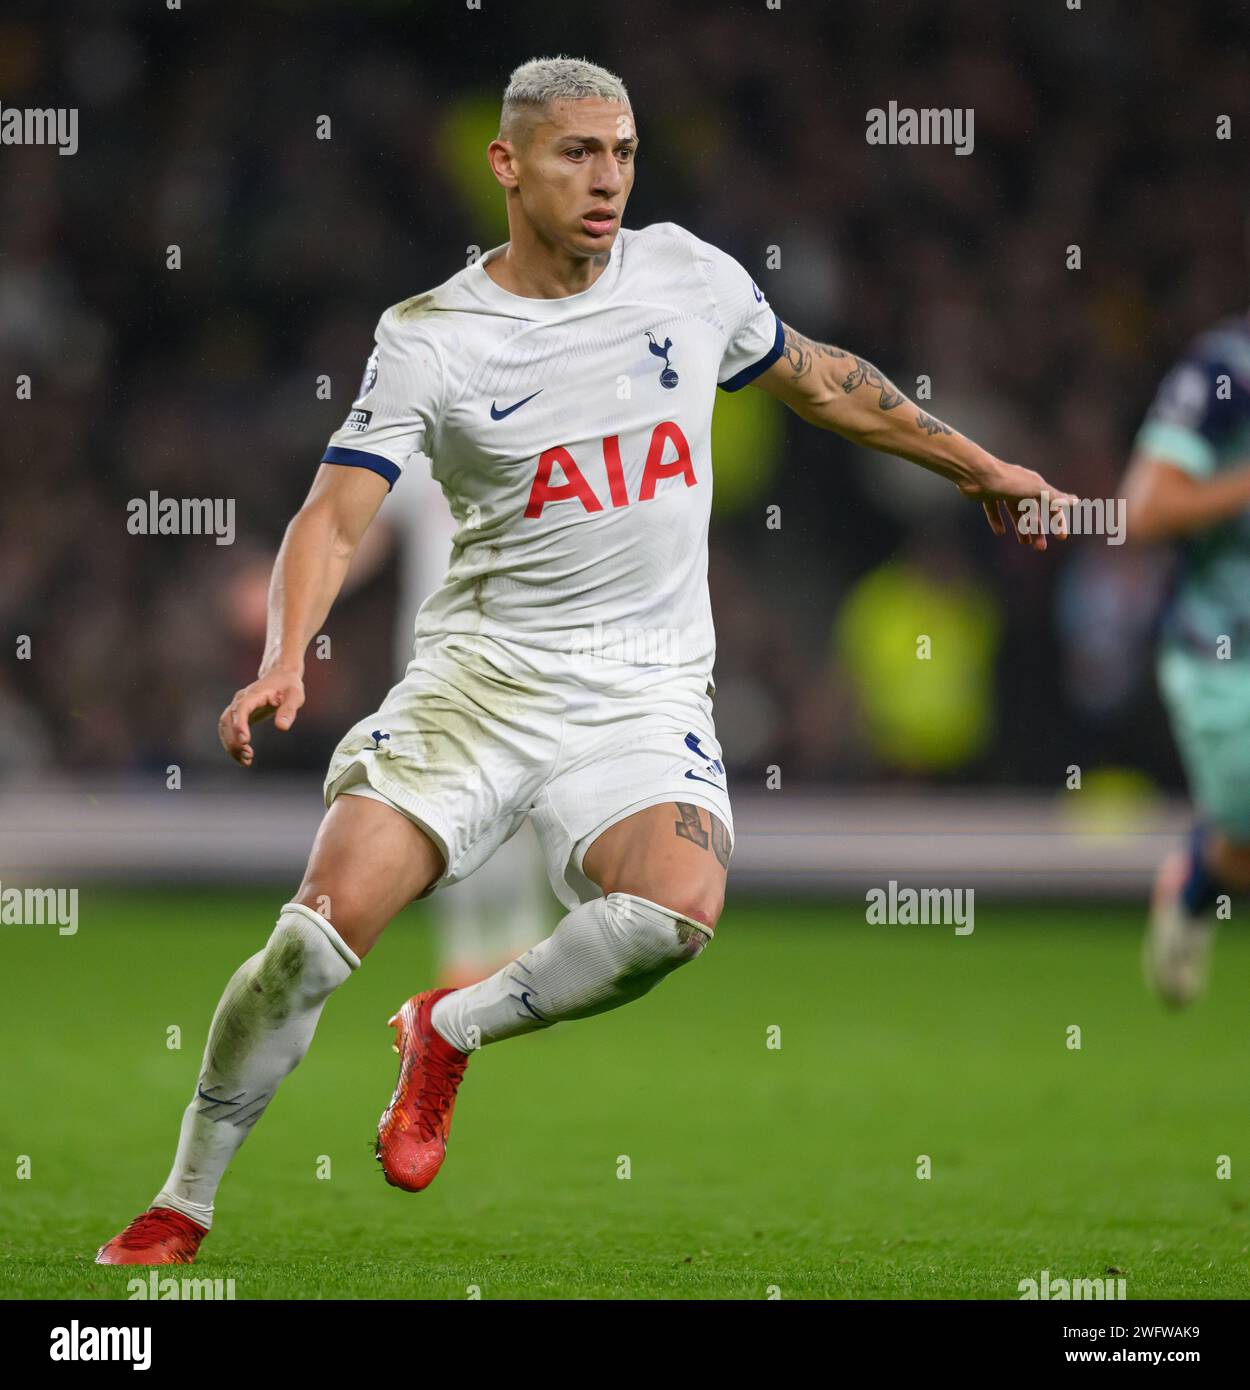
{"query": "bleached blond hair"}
pixel 536 84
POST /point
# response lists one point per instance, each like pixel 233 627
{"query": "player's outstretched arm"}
pixel 1164 501
pixel 307 575
pixel 839 391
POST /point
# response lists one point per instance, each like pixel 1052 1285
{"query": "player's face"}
pixel 575 173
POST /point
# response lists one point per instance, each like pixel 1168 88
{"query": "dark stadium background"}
pixel 756 1169
pixel 1092 127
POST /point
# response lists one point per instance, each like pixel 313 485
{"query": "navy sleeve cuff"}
pixel 748 374
pixel 357 458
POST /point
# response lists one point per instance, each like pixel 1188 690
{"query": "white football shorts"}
pixel 476 736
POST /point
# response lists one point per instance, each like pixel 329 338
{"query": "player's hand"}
pixel 279 693
pixel 1005 488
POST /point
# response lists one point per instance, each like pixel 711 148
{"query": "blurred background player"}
pixel 1189 482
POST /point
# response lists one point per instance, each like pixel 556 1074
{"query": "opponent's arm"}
pixel 835 389
pixel 307 575
pixel 1165 501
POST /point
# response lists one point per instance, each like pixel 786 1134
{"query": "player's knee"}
pixel 304 956
pixel 658 938
pixel 350 916
pixel 703 908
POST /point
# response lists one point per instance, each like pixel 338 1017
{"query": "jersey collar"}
pixel 523 306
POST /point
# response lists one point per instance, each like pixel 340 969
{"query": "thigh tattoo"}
pixel 690 827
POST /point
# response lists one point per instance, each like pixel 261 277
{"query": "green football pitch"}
pixel 670 1149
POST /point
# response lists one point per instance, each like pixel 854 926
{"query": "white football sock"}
pixel 262 1028
pixel 603 954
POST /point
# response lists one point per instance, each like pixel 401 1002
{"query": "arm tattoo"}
pixel 930 425
pixel 690 827
pixel 865 374
pixel 802 353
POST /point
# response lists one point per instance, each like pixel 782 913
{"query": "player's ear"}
pixel 501 155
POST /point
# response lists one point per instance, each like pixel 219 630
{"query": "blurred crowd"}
pixel 1095 128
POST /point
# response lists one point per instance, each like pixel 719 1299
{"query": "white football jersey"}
pixel 572 440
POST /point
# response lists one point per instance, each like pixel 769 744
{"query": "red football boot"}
pixel 158 1236
pixel 413 1130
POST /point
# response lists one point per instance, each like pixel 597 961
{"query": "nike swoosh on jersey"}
pixel 497 414
pixel 694 777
